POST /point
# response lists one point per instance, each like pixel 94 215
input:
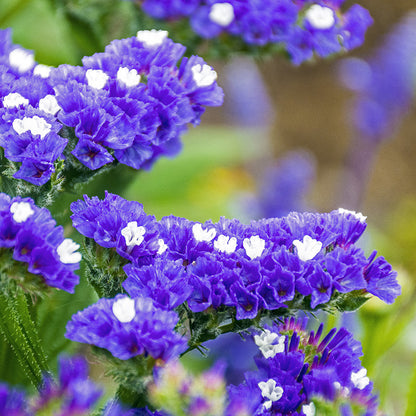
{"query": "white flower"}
pixel 203 76
pixel 96 78
pixel 203 235
pixel 308 248
pixel 152 38
pixel 42 71
pixel 124 309
pixel 254 246
pixel 21 59
pixel 129 77
pixel 36 125
pixel 49 105
pixel 265 342
pixel 133 234
pixel 67 252
pixel 360 379
pixel 162 246
pixel 309 409
pixel 222 14
pixel 21 211
pixel 225 244
pixel 320 17
pixel 270 391
pixel 360 217
pixel 14 99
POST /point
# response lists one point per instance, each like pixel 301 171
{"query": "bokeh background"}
pixel 284 140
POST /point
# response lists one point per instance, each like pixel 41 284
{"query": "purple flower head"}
pixel 31 235
pixel 12 402
pixel 302 28
pixel 74 392
pixel 297 370
pixel 128 327
pixel 384 83
pixel 260 266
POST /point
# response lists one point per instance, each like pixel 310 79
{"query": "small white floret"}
pixel 222 14
pixel 270 391
pixel 309 409
pixel 49 105
pixel 96 78
pixel 67 252
pixel 162 246
pixel 203 75
pixel 266 343
pixel 36 125
pixel 14 99
pixel 124 309
pixel 308 248
pixel 203 235
pixel 129 77
pixel 21 211
pixel 152 38
pixel 254 246
pixel 21 59
pixel 320 17
pixel 360 217
pixel 133 234
pixel 225 244
pixel 360 379
pixel 42 71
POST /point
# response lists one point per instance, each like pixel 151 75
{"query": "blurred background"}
pixel 327 134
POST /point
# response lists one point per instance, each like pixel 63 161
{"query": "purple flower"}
pixel 260 266
pixel 12 402
pixel 31 236
pixel 384 83
pixel 128 327
pixel 297 370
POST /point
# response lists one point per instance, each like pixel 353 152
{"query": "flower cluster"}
pixel 130 103
pixel 29 234
pixel 298 373
pixel 127 328
pixel 264 265
pixel 302 28
pixel 385 83
pixel 73 394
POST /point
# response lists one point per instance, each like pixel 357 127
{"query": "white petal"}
pixel 254 246
pixel 21 59
pixel 320 17
pixel 14 99
pixel 203 235
pixel 222 14
pixel 152 38
pixel 96 78
pixel 203 76
pixel 133 234
pixel 124 309
pixel 225 244
pixel 21 211
pixel 308 248
pixel 129 77
pixel 49 105
pixel 67 252
pixel 357 215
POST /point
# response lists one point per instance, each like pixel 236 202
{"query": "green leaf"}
pixel 20 332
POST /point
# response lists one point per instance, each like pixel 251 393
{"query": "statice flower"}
pixel 130 103
pixel 301 28
pixel 12 402
pixel 133 101
pixel 384 83
pixel 128 327
pixel 299 372
pixel 75 393
pixel 267 265
pixel 29 234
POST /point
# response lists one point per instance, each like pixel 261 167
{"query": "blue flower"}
pixel 31 236
pixel 12 402
pixel 128 327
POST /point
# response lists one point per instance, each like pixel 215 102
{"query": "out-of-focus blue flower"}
pixel 12 402
pixel 31 236
pixel 128 327
pixel 385 83
pixel 263 265
pixel 74 391
pixel 302 28
pixel 297 371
